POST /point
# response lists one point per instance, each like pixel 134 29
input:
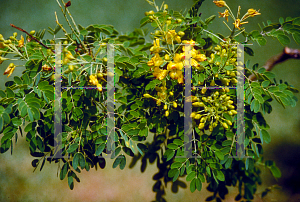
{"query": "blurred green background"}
pixel 19 183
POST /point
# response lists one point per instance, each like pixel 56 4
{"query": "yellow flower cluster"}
pixel 174 68
pixel 172 36
pixel 94 81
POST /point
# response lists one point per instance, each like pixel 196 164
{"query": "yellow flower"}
pixel 162 74
pixel 172 36
pixel 252 12
pixel 192 42
pixel 156 48
pixel 171 65
pixel 200 57
pixel 238 23
pixel 21 42
pixel 224 15
pixel 180 78
pixel 156 72
pixel 10 69
pixel 155 61
pixel 220 3
pixel 194 63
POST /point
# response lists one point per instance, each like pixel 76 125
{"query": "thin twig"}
pixel 73 31
pixel 22 30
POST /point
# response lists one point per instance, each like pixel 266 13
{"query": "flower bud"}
pixel 167 113
pixel 201 126
pixel 147 95
pixel 32 32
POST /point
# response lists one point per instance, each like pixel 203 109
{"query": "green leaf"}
pixel 249 51
pixel 193 185
pixel 191 176
pixel 117 161
pixel 172 146
pixel 265 84
pixel 198 184
pixel 261 41
pixel 63 171
pixel 16 121
pixel 144 21
pixel 219 155
pixel 201 77
pixel 170 156
pixel 275 171
pixel 70 180
pixel 76 160
pixel 255 106
pixel 220 175
pixel 283 39
pixel 72 147
pixel 210 19
pixel 265 136
pixel 123 162
pixel 296 37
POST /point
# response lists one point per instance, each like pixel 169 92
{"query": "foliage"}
pixel 149 97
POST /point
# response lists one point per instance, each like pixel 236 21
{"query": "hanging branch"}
pixel 286 54
pixel 22 30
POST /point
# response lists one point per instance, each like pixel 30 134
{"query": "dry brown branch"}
pixel 286 54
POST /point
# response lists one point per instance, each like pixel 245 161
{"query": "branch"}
pixel 286 54
pixel 22 30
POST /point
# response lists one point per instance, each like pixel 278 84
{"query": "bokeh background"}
pixel 19 183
